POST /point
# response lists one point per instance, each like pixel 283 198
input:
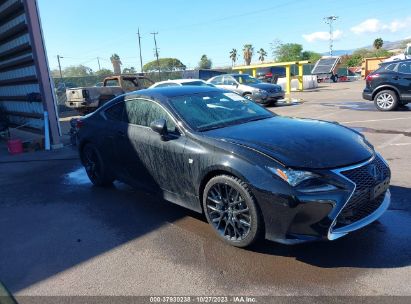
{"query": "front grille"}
pixel 362 202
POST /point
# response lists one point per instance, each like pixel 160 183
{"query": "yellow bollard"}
pixel 287 79
pixel 300 77
pixel 254 73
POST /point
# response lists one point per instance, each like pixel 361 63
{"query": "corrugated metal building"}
pixel 25 86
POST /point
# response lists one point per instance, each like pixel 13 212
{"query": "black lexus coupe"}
pixel 253 174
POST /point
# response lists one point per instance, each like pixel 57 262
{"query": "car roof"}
pixel 395 61
pixel 169 92
pixel 179 81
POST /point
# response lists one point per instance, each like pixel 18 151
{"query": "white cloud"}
pixel 322 36
pixel 376 26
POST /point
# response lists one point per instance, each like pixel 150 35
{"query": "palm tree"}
pixel 262 54
pixel 378 43
pixel 248 52
pixel 116 62
pixel 233 56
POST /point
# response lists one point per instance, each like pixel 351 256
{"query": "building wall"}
pixel 25 88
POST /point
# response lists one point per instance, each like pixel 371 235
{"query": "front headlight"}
pixel 293 177
pixel 304 181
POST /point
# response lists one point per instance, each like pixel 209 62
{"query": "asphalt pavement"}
pixel 61 236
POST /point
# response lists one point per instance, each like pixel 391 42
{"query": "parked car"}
pixel 181 82
pixel 254 174
pixel 390 85
pixel 249 87
pixel 87 99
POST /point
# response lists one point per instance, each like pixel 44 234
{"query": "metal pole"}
pixel 329 20
pixel 61 74
pixel 99 66
pixel 139 46
pixel 156 50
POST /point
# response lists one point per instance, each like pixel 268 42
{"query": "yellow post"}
pixel 240 71
pixel 254 72
pixel 300 77
pixel 288 79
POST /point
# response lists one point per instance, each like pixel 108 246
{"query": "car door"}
pixel 229 83
pixel 404 80
pixel 161 159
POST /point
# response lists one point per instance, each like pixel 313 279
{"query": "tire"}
pixel 232 211
pixel 386 100
pixel 247 96
pixel 95 168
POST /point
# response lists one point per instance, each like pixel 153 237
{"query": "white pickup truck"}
pixel 87 99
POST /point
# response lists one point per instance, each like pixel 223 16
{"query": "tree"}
pixel 262 54
pixel 287 52
pixel 233 56
pixel 248 52
pixel 205 63
pixel 77 71
pixel 116 62
pixel 166 65
pixel 354 60
pixel 104 72
pixel 311 56
pixel 131 70
pixel 378 43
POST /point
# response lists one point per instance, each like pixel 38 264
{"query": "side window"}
pixel 228 80
pixel 391 67
pixel 218 80
pixel 143 112
pixel 115 112
pixel 167 84
pixel 405 68
pixel 112 83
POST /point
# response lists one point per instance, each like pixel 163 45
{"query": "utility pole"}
pixel 98 61
pixel 61 74
pixel 156 53
pixel 139 46
pixel 329 20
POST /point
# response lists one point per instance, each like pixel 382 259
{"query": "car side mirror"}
pixel 160 127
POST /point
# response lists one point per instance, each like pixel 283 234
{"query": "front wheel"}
pixel 386 100
pixel 231 210
pixel 93 163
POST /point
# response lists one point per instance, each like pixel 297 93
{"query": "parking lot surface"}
pixel 61 236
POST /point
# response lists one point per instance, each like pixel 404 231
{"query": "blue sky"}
pixel 82 30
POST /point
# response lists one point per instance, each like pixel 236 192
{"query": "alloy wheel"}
pixel 385 101
pixel 228 212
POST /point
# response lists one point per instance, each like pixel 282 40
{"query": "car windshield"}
pixel 213 110
pixel 195 83
pixel 246 79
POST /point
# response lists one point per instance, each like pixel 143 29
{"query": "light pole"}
pixel 61 74
pixel 329 20
pixel 156 53
pixel 139 46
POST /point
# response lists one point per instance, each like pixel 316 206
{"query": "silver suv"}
pixel 249 87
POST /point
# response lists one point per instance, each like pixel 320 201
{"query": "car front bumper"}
pixel 292 218
pixel 264 99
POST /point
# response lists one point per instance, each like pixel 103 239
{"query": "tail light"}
pixel 79 123
pixel 370 77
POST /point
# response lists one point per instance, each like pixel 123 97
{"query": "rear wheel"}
pixel 231 210
pixel 96 170
pixel 386 100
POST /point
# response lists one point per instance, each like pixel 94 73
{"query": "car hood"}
pixel 299 143
pixel 264 86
